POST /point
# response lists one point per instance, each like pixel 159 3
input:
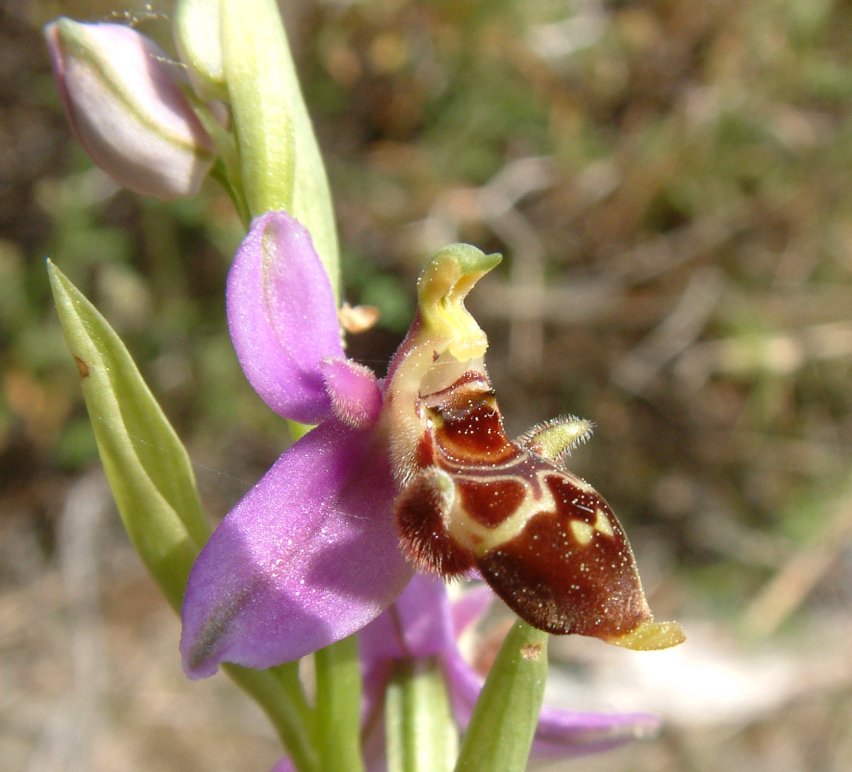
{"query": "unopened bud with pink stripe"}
pixel 125 102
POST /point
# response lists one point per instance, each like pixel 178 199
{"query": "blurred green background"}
pixel 670 185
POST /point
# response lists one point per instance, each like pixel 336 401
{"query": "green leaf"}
pixel 504 720
pixel 280 160
pixel 421 732
pixel 147 466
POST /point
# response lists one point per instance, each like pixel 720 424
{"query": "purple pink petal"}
pixel 283 318
pixel 309 556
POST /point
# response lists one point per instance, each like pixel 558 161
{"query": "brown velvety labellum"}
pixel 547 543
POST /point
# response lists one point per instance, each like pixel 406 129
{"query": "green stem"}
pixel 504 720
pixel 421 734
pixel 279 693
pixel 338 679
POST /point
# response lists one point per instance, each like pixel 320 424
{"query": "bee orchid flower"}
pixel 412 472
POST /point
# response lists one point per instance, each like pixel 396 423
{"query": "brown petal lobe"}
pixel 490 503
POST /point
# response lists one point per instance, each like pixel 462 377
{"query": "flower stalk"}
pixel 338 701
pixel 421 733
pixel 279 693
pixel 504 720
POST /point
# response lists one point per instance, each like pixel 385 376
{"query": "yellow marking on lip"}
pixel 481 539
pixel 602 524
pixel 583 532
pixel 463 528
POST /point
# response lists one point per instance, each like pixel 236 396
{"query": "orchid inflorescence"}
pixel 404 482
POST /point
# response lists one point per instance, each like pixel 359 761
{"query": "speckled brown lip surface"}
pixel 548 544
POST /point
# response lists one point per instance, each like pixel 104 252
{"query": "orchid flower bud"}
pixel 125 104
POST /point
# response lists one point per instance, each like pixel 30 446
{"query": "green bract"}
pixel 196 34
pixel 280 162
pixel 146 464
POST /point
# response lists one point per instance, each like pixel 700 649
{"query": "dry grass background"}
pixel 669 184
